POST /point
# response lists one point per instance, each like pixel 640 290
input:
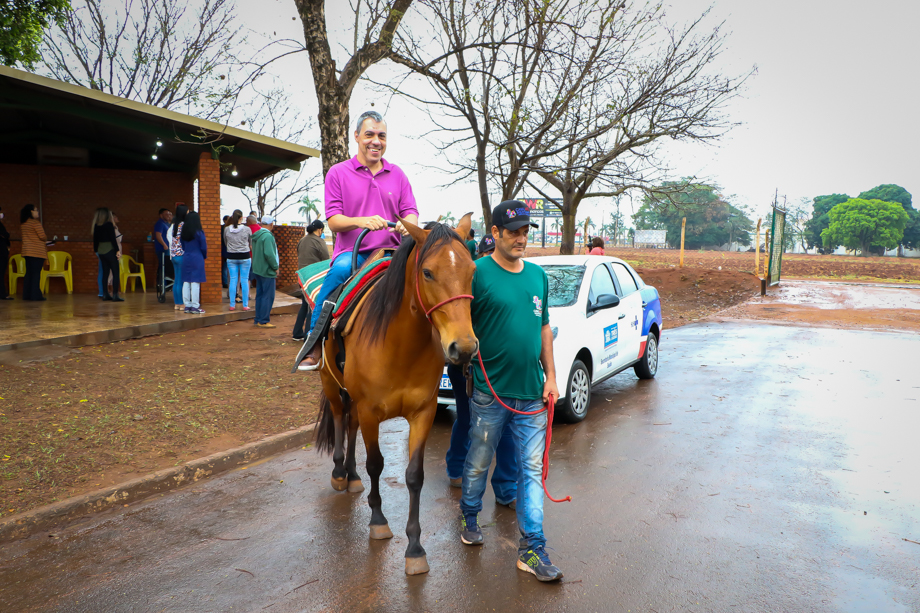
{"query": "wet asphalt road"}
pixel 767 468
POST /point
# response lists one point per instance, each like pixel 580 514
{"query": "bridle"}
pixel 418 291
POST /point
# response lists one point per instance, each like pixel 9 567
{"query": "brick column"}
pixel 209 209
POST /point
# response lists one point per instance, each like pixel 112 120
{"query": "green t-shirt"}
pixel 509 312
pixel 471 245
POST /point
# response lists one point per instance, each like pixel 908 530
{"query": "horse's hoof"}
pixel 339 485
pixel 379 533
pixel 355 487
pixel 417 566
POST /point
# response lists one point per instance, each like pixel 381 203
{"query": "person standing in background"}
pixel 105 244
pixel 264 270
pixel 224 272
pixel 195 248
pixel 4 258
pixel 471 244
pixel 34 250
pixel 310 250
pixel 160 246
pixel 174 240
pixel 597 246
pixel 238 238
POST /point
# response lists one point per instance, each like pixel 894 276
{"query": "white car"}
pixel 604 318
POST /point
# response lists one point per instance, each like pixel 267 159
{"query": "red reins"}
pixel 550 407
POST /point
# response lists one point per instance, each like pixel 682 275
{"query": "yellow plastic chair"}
pixel 60 264
pixel 124 270
pixel 17 270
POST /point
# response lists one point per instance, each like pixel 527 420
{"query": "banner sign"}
pixel 777 238
pixel 651 237
pixel 540 207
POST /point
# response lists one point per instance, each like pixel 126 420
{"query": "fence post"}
pixel 757 250
pixel 683 226
pixel 766 251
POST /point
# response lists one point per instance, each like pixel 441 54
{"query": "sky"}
pixel 831 108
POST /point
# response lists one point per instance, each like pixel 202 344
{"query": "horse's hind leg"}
pixel 419 428
pixel 339 417
pixel 354 479
pixel 370 431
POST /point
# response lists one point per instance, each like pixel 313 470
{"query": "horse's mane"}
pixel 387 295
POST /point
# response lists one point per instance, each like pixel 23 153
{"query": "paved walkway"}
pixel 82 319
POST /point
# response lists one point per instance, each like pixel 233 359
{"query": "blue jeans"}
pixel 505 475
pixel 239 272
pixel 177 280
pixel 102 290
pixel 265 297
pixel 337 275
pixel 488 419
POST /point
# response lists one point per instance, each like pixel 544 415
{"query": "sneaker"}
pixel 470 533
pixel 299 339
pixel 188 309
pixel 197 311
pixel 246 308
pixel 536 562
pixel 232 308
pixel 266 325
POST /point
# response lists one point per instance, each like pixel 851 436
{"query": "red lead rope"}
pixel 550 407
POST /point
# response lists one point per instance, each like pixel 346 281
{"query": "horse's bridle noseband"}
pixel 418 291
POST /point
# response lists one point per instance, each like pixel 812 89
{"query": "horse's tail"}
pixel 324 435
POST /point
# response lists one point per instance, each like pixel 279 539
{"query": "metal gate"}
pixel 777 239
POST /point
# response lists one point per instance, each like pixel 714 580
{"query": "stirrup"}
pixel 316 335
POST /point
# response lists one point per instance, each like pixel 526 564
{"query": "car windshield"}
pixel 564 283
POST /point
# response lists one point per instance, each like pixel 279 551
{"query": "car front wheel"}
pixel 647 367
pixel 577 394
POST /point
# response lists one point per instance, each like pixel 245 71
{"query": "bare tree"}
pixel 272 114
pixel 375 22
pixel 577 93
pixel 156 52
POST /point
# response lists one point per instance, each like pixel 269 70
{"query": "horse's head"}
pixel 444 278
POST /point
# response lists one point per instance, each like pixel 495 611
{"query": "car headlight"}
pixel 555 330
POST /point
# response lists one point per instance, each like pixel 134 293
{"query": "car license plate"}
pixel 445 383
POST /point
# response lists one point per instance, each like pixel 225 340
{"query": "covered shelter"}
pixel 68 150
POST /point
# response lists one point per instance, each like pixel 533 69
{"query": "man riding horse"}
pixel 361 193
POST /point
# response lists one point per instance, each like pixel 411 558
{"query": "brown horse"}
pixel 415 316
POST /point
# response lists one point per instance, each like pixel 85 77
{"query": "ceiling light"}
pixel 159 143
pixel 154 156
pixel 234 172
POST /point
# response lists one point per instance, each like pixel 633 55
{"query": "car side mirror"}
pixel 604 301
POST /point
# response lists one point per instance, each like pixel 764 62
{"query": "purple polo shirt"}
pixel 352 190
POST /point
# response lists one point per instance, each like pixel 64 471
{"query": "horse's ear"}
pixel 463 228
pixel 414 231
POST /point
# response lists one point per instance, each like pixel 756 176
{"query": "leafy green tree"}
pixel 710 219
pixel 22 28
pixel 889 193
pixel 864 224
pixel 895 193
pixel 819 219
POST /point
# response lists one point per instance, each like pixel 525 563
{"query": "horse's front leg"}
pixel 419 428
pixel 354 479
pixel 370 430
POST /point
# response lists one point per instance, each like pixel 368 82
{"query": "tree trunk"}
pixel 569 210
pixel 484 188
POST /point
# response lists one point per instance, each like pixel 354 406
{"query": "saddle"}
pixel 337 313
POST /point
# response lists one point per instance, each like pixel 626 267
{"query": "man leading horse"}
pixel 363 192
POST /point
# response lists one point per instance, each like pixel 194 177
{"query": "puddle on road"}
pixel 825 295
